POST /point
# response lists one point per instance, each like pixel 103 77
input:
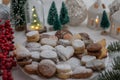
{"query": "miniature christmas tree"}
pixel 18 14
pixel 35 24
pixel 57 24
pixel 104 22
pixel 52 13
pixel 64 18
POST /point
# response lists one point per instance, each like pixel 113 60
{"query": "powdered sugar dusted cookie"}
pixel 64 42
pixel 81 73
pixel 96 65
pixel 33 36
pixel 33 46
pixel 31 68
pixel 46 68
pixel 35 56
pixel 49 54
pixel 21 52
pixel 64 52
pixel 49 41
pixel 87 58
pixel 73 62
pixel 46 47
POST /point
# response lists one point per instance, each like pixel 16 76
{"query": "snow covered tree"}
pixel 57 24
pixel 105 21
pixel 18 14
pixel 36 24
pixel 64 18
pixel 52 13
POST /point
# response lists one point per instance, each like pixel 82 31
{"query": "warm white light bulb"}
pixel 35 15
pixel 37 27
pixel 33 9
pixel 35 20
pixel 32 27
pixel 38 24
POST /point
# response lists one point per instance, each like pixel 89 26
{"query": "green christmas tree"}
pixel 18 14
pixel 35 24
pixel 52 13
pixel 57 24
pixel 64 18
pixel 105 21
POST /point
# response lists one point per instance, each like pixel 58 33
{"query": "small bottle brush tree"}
pixel 18 14
pixel 57 24
pixel 104 22
pixel 35 24
pixel 64 18
pixel 52 13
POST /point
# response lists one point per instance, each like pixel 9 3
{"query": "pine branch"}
pixel 116 63
pixel 109 75
pixel 114 47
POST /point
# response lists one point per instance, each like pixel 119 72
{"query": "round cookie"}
pixel 33 36
pixel 94 49
pixel 49 54
pixel 79 46
pixel 47 68
pixel 33 46
pixel 87 58
pixel 82 73
pixel 35 56
pixel 46 47
pixel 31 68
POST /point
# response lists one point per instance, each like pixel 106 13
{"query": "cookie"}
pixel 94 49
pixel 24 62
pixel 52 41
pixel 63 34
pixel 84 36
pixel 87 58
pixel 49 54
pixel 96 65
pixel 35 56
pixel 31 68
pixel 82 73
pixel 64 42
pixel 73 62
pixel 64 75
pixel 33 36
pixel 46 68
pixel 33 46
pixel 47 47
pixel 64 52
pixel 79 46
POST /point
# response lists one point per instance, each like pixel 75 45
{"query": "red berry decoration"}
pixel 7 60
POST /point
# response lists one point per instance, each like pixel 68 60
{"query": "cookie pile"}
pixel 64 55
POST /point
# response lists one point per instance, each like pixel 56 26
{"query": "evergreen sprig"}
pixel 116 63
pixel 113 74
pixel 110 75
pixel 114 47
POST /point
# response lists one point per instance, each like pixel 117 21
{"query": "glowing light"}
pixel 32 27
pixel 35 15
pixel 35 20
pixel 37 27
pixel 33 9
pixel 38 24
pixel 97 20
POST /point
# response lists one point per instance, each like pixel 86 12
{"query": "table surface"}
pixel 95 35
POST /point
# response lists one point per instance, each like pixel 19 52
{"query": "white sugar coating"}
pixel 34 65
pixel 81 70
pixel 63 66
pixel 64 41
pixel 46 47
pixel 33 45
pixel 47 61
pixel 49 41
pixel 35 55
pixel 87 58
pixel 73 62
pixel 65 51
pixel 77 43
pixel 48 54
pixel 31 33
pixel 22 51
pixel 95 63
